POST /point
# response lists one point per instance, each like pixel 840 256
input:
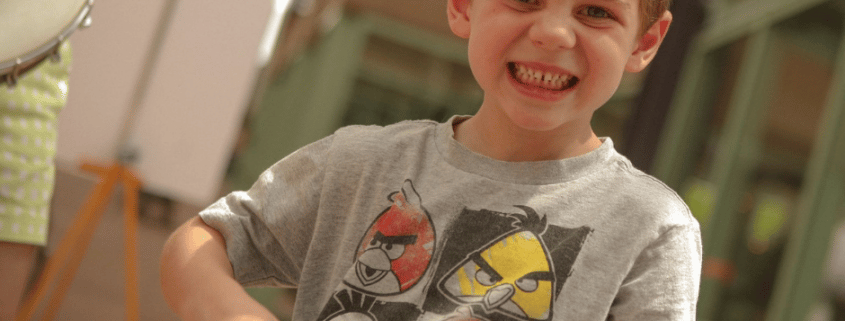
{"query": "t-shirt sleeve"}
pixel 663 284
pixel 268 228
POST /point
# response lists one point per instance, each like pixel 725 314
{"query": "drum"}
pixel 33 30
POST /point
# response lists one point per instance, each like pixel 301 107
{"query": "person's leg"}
pixel 28 121
pixel 16 262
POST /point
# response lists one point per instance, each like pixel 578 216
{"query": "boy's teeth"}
pixel 547 80
pixel 524 77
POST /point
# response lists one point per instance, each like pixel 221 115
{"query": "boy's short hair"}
pixel 650 11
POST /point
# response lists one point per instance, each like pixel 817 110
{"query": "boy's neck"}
pixel 506 142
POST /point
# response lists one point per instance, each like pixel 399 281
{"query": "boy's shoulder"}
pixel 385 136
pixel 651 195
pixel 405 126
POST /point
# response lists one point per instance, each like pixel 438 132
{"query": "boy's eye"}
pixel 596 12
pixel 529 2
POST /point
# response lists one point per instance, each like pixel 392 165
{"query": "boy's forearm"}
pixel 197 278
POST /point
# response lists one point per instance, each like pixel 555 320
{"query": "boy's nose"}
pixel 552 32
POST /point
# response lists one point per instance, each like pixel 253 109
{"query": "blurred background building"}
pixel 742 112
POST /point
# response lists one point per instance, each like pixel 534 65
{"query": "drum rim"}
pixel 51 46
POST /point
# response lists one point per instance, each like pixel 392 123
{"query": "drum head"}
pixel 27 25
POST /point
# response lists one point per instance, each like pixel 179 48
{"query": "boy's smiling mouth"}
pixel 536 78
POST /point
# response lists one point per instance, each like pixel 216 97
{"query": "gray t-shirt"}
pixel 404 223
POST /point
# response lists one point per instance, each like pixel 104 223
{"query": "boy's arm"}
pixel 197 278
pixel 663 283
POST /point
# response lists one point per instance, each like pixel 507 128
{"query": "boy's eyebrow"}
pixel 619 2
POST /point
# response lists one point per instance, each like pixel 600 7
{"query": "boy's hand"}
pixel 197 278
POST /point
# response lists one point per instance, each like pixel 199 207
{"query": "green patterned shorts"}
pixel 28 120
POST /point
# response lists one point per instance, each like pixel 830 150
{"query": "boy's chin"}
pixel 534 123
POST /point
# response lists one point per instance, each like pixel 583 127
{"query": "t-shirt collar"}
pixel 532 173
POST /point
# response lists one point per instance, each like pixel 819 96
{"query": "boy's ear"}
pixel 649 43
pixel 458 13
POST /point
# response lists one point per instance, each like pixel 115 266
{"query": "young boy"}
pixel 517 213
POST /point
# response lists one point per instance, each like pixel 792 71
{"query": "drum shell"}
pixel 34 29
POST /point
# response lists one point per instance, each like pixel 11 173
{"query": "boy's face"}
pixel 549 64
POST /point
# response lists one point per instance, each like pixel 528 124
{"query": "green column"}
pixel 736 156
pixel 684 128
pixel 306 102
pixel 819 206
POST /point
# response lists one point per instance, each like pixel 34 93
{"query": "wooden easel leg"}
pixel 113 175
pixel 131 190
pixel 73 244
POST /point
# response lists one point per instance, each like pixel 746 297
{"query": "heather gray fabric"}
pixel 404 223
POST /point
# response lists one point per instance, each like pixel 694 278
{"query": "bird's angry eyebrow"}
pixel 398 239
pixel 476 257
pixel 540 276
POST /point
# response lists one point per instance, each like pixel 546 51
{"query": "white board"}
pixel 199 89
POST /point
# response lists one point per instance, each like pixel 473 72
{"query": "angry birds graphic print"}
pixel 513 274
pixel 492 265
pixel 396 250
pixel 505 266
